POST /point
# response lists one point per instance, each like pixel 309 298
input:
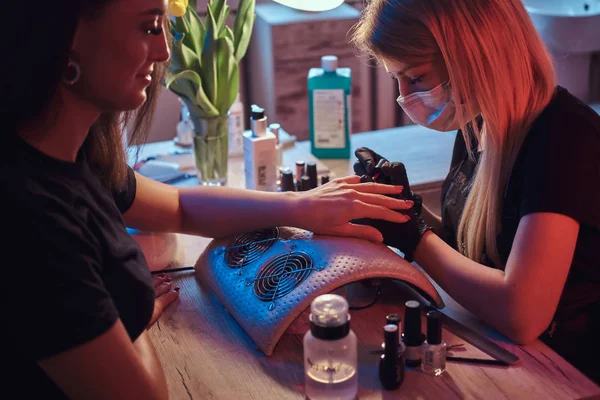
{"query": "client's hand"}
pixel 405 237
pixel 328 209
pixel 165 295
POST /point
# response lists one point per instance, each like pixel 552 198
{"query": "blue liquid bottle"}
pixel 329 108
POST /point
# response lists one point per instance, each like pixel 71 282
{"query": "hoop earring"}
pixel 74 70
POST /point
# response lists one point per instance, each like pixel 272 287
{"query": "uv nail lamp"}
pixel 266 279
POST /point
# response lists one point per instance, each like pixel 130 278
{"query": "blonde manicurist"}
pixel 517 240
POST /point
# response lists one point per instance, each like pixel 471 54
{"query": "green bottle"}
pixel 329 108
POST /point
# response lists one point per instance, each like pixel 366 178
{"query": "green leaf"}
pixel 180 25
pixel 194 92
pixel 197 32
pixel 208 71
pixel 216 6
pixel 185 74
pixel 239 21
pixel 244 32
pixel 222 21
pixel 225 65
pixel 183 56
pixel 234 86
pixel 229 33
pixel 185 90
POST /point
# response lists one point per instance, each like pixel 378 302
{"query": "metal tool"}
pixel 487 346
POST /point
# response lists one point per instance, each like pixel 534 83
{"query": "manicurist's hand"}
pixel 328 209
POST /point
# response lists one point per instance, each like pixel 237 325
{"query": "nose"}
pixel 404 88
pixel 160 51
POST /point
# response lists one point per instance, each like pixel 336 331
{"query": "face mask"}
pixel 434 109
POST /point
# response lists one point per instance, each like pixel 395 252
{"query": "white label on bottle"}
pixel 236 131
pixel 329 119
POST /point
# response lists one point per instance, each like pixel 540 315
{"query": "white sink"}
pixel 570 26
pixel 571 31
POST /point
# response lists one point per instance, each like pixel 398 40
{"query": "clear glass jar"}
pixel 330 361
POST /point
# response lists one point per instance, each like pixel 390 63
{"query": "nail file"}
pixel 487 346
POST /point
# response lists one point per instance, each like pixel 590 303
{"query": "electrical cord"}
pixel 375 298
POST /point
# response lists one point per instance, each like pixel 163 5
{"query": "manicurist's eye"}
pixel 416 80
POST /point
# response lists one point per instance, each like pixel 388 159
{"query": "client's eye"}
pixel 155 31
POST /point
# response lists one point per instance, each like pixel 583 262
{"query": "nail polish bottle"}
pixel 311 172
pixel 391 365
pixel 412 336
pixel 324 179
pixel 305 183
pixel 286 179
pixel 434 350
pixel 300 172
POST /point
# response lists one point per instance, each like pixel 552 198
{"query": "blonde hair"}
pixel 497 65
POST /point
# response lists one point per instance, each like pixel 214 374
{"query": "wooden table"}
pixel 207 355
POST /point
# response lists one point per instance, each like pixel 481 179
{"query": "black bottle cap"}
pixel 412 335
pixel 287 179
pixel 393 319
pixel 330 332
pixel 300 170
pixel 324 179
pixel 257 112
pixel 434 327
pixel 305 183
pixel 391 338
pixel 311 171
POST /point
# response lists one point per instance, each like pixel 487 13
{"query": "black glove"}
pixel 405 237
pixel 371 167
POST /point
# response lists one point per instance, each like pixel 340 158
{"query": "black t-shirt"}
pixel 557 170
pixel 70 267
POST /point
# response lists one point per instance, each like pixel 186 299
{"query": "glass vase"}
pixel 211 149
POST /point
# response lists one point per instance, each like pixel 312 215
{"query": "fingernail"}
pixel 410 202
pixel 176 289
pixel 400 188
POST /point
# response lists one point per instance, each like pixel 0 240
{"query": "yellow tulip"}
pixel 177 8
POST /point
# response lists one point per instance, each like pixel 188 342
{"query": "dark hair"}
pixel 39 44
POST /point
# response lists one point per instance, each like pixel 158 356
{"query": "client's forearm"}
pixel 224 211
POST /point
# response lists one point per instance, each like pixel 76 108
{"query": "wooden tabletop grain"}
pixel 207 355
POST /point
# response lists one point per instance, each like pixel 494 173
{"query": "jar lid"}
pixel 329 311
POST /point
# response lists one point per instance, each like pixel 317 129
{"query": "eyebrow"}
pixel 154 11
pixel 403 71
